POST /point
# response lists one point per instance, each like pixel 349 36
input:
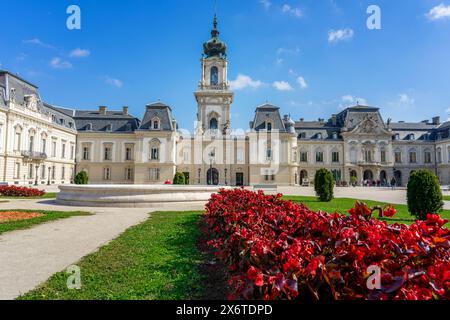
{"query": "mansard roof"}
pixel 109 121
pixel 160 111
pixel 59 117
pixel 268 113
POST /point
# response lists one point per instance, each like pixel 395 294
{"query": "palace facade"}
pixel 44 144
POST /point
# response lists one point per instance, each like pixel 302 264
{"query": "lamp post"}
pixel 199 176
pixel 226 182
pixel 49 173
pixel 37 176
pixel 211 159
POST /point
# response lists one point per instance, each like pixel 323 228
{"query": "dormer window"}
pixel 155 124
pixel 319 136
pixel 412 136
pixel 397 136
pixel 89 127
pixel 109 128
pixel 335 135
pixel 269 126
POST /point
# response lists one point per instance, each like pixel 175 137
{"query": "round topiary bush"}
pixel 324 185
pixel 81 178
pixel 424 194
pixel 179 179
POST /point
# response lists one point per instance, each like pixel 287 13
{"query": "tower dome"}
pixel 215 47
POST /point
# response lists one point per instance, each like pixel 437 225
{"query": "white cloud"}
pixel 340 35
pixel 282 86
pixel 293 51
pixel 243 81
pixel 406 100
pixel 114 82
pixel 302 83
pixel 58 63
pixel 296 12
pixel 79 53
pixel 439 12
pixel 39 43
pixel 349 100
pixel 266 4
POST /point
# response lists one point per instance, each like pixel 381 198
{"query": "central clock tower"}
pixel 214 97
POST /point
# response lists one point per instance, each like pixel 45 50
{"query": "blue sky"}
pixel 309 57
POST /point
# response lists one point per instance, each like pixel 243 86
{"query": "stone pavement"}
pixel 29 257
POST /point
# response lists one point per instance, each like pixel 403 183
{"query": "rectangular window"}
pixel 154 174
pixel 269 154
pixel 63 173
pixel 18 138
pixel 44 146
pixel 63 151
pixel 43 171
pixel 427 157
pixel 383 156
pixel 72 152
pixel 17 171
pixel 335 157
pixel 303 157
pixel 53 173
pixel 30 171
pixel 368 156
pixel 412 157
pixel 86 155
pixel 319 157
pixel 128 174
pixel 54 149
pixel 128 154
pixel 398 157
pixel 108 154
pixel 106 174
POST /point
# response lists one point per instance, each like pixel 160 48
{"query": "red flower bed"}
pixel 275 249
pixel 13 191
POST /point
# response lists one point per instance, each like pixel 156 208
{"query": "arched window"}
pixel 213 124
pixel 214 76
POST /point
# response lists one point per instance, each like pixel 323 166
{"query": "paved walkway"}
pixel 376 194
pixel 29 257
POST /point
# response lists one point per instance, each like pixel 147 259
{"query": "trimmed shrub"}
pixel 278 250
pixel 81 178
pixel 324 185
pixel 424 194
pixel 179 179
pixel 13 191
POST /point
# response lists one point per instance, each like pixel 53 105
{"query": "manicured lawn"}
pixel 343 205
pixel 156 260
pixel 50 195
pixel 47 216
pixel 446 198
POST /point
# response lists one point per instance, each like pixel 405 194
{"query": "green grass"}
pixel 47 216
pixel 343 205
pixel 446 198
pixel 50 195
pixel 156 260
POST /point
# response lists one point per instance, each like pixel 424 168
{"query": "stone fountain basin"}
pixel 133 196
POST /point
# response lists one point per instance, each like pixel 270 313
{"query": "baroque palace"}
pixel 42 144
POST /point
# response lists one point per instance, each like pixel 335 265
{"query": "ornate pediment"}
pixel 371 125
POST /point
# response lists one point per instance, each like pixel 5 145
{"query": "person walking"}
pixel 393 183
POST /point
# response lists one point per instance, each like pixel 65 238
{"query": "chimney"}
pixel 437 121
pixel 102 110
pixel 125 110
pixel 334 120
